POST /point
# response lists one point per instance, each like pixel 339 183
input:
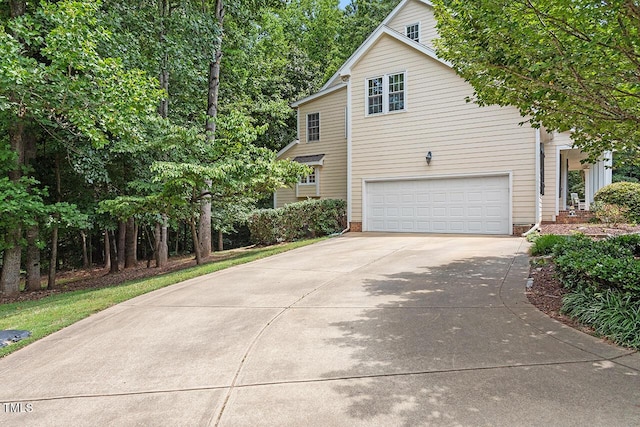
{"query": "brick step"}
pixel 578 217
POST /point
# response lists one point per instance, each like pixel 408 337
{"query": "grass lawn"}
pixel 50 314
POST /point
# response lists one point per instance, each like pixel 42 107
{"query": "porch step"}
pixel 578 217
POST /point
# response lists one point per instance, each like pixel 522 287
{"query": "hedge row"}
pixel 310 218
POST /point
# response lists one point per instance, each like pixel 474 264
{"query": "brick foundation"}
pixel 355 227
pixel 518 230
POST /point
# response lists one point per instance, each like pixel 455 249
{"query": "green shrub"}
pixel 310 218
pixel 629 241
pixel 584 264
pixel 544 244
pixel 609 214
pixel 610 313
pixel 626 194
pixel 577 241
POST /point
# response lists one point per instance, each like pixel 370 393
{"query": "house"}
pixel 392 134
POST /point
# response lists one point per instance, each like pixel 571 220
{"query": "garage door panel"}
pixel 438 197
pixel 456 212
pixel 439 226
pixel 454 205
pixel 474 212
pixel 408 212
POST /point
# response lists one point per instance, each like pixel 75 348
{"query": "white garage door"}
pixel 475 205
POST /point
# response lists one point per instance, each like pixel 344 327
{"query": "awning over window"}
pixel 313 160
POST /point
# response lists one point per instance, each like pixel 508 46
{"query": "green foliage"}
pixel 611 313
pixel 624 194
pixel 543 245
pixel 600 265
pixel 609 214
pixel 565 64
pixel 603 278
pixel 52 72
pixel 297 221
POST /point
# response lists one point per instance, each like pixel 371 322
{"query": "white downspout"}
pixel 349 156
pixel 538 198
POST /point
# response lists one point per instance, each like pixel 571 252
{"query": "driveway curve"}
pixel 361 330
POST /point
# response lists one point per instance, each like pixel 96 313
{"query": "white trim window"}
pixel 375 93
pixel 309 179
pixel 413 31
pixel 386 94
pixel 313 127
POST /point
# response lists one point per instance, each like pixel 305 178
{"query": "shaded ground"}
pixel 100 277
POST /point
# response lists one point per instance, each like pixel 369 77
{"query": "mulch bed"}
pixel 547 292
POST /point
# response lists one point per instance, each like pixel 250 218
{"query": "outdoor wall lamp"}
pixel 429 157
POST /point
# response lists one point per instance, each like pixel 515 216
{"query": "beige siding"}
pixel 463 138
pixel 413 12
pixel 284 196
pixel 333 144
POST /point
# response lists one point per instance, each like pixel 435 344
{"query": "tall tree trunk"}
pixel 204 225
pixel 33 260
pixel 114 251
pixel 196 244
pixel 53 259
pixel 160 245
pixel 85 256
pixel 90 246
pixel 136 233
pixel 161 248
pixel 10 278
pixel 220 241
pixel 107 251
pixel 122 235
pixel 130 244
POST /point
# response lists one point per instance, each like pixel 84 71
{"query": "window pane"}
pixel 396 92
pixel 375 91
pixel 413 32
pixel 375 86
pixel 375 104
pixel 313 127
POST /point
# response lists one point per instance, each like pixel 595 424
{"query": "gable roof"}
pixel 324 91
pixel 287 147
pixel 384 29
pixel 399 7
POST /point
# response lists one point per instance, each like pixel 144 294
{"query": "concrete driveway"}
pixel 362 330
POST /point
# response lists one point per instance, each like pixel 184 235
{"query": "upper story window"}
pixel 386 94
pixel 413 31
pixel 375 93
pixel 313 127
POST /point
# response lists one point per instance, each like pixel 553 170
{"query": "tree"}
pixel 568 65
pixel 53 78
